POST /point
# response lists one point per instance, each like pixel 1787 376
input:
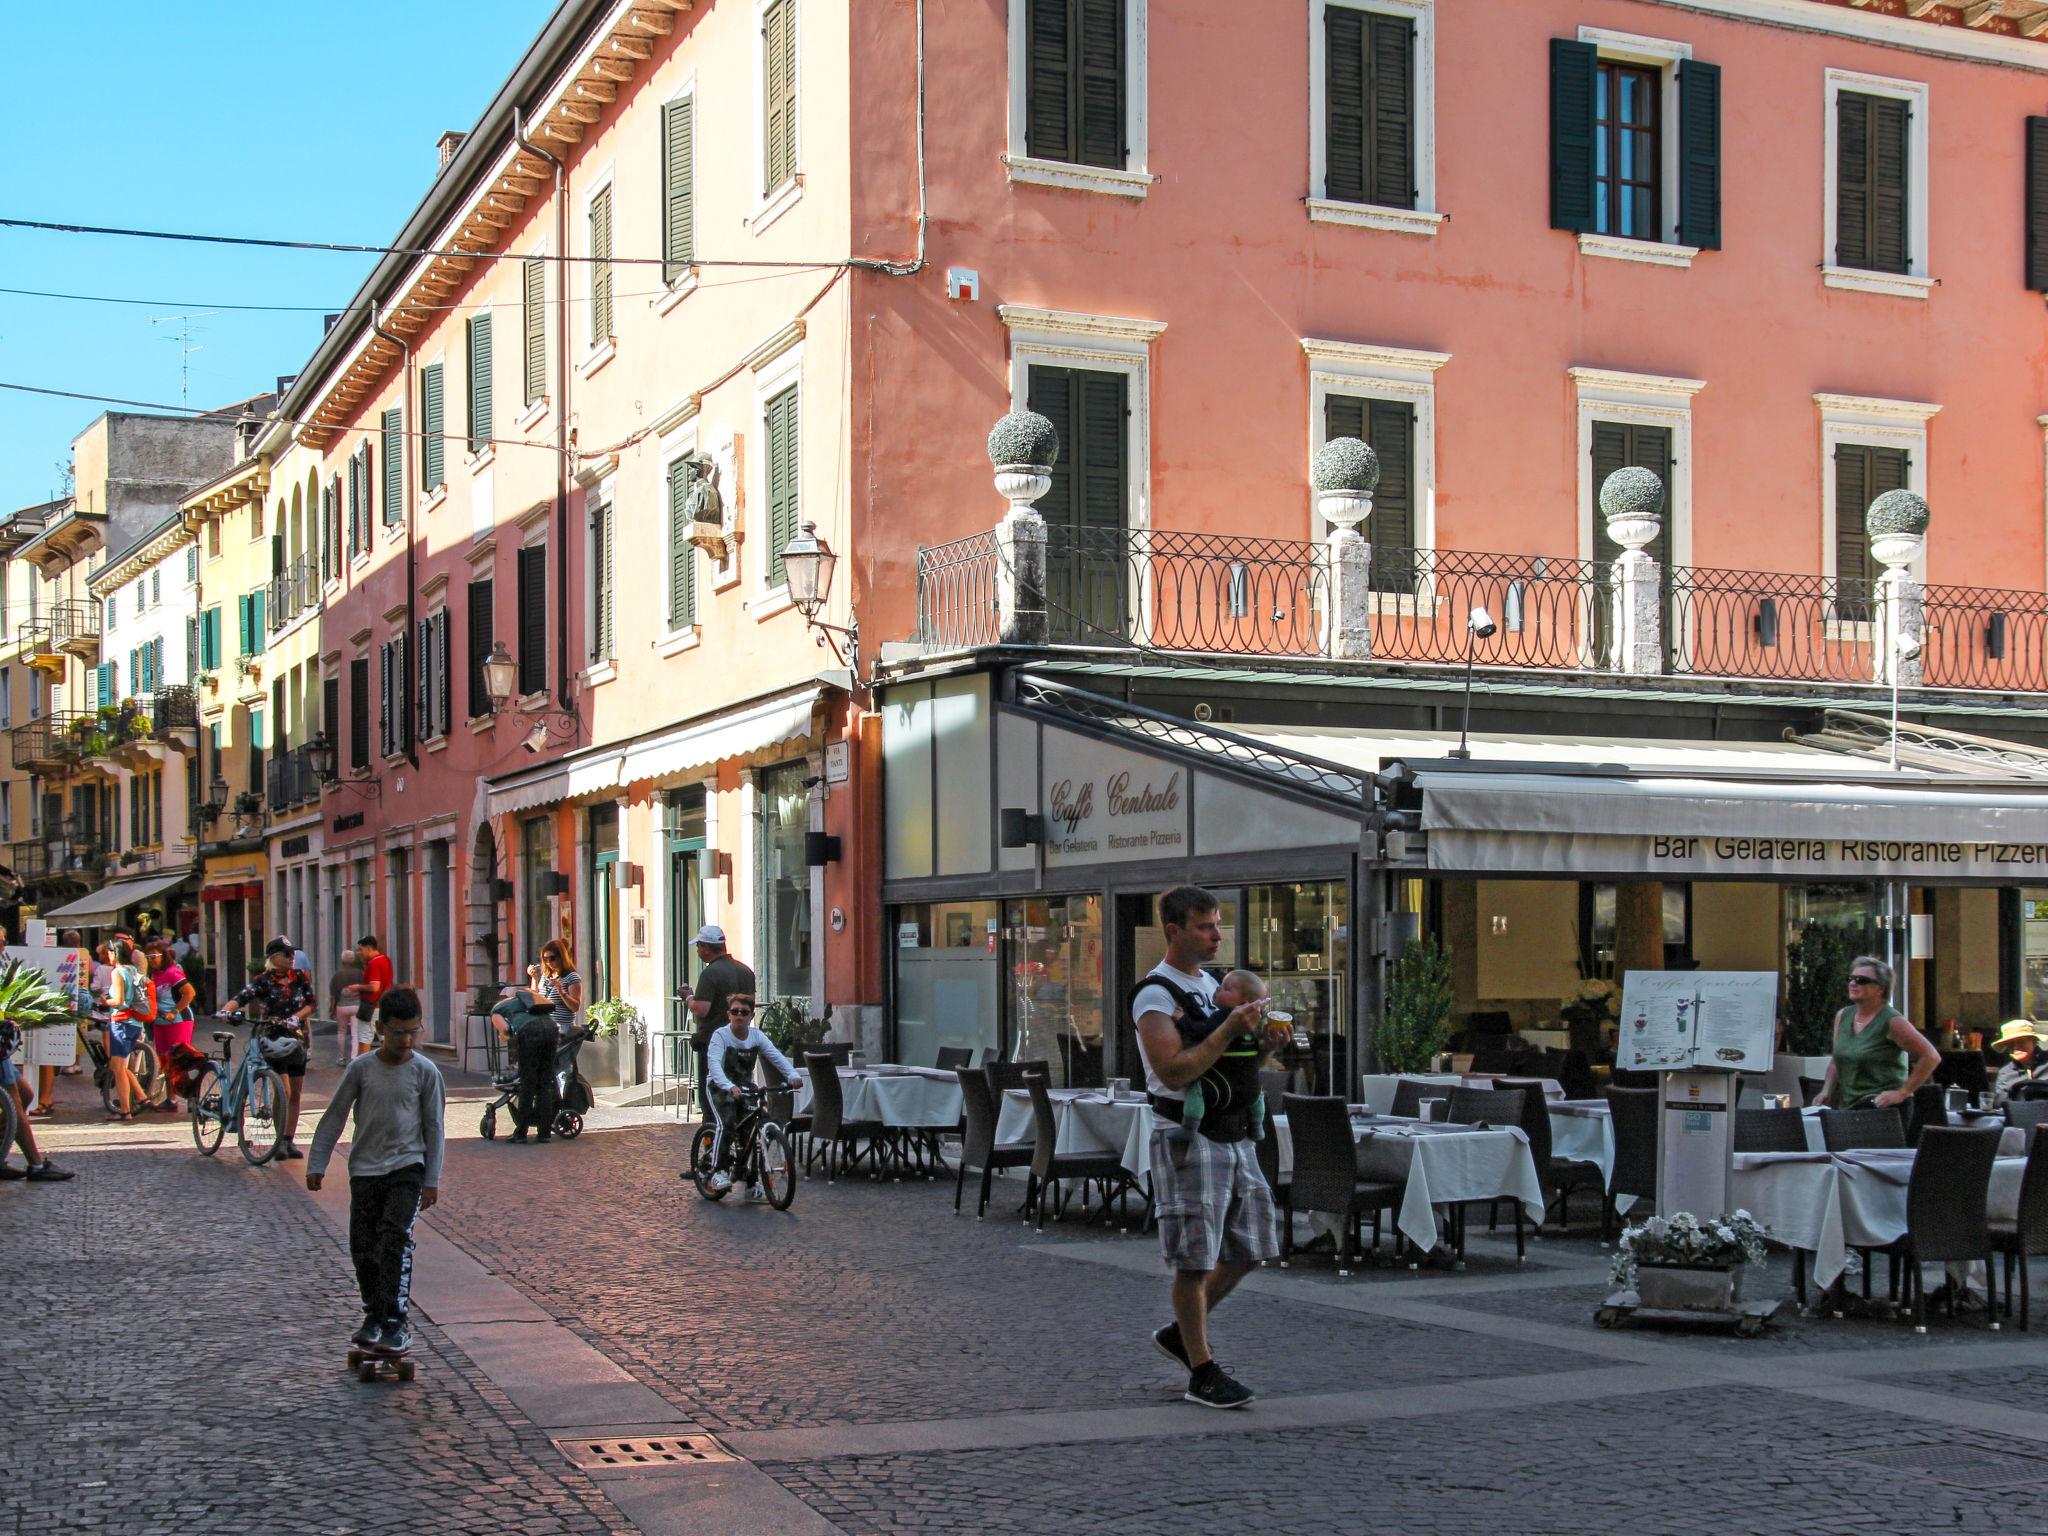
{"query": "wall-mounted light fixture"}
pixel 1021 828
pixel 321 754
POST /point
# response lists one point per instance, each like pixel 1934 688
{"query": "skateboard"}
pixel 375 1364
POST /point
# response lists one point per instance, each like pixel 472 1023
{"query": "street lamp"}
pixel 501 676
pixel 1479 626
pixel 216 799
pixel 320 757
pixel 808 563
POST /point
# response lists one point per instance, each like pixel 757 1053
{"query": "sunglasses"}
pixel 1862 981
pixel 739 1013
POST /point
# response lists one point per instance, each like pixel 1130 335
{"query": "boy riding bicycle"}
pixel 735 1051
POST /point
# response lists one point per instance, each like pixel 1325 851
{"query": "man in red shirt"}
pixel 377 980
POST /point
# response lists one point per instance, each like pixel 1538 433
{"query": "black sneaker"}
pixel 1167 1342
pixel 9 1171
pixel 1210 1387
pixel 517 1138
pixel 396 1337
pixel 47 1172
pixel 366 1336
pixel 291 1151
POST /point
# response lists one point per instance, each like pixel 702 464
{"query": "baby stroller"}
pixel 573 1097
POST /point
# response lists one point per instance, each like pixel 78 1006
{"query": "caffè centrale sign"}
pixel 1736 857
pixel 1105 805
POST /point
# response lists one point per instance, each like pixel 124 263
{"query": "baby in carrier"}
pixel 1240 1064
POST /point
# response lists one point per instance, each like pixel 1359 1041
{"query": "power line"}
pixel 322 309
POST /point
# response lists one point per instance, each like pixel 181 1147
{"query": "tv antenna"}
pixel 186 346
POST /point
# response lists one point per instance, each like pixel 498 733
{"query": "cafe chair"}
pixel 952 1058
pixel 1409 1094
pixel 833 1136
pixel 2026 1113
pixel 1005 1075
pixel 841 1051
pixel 1965 1070
pixel 1267 1150
pixel 1052 1170
pixel 979 1148
pixel 1492 1054
pixel 1326 1176
pixel 1928 1106
pixel 1770 1130
pixel 2026 1235
pixel 1081 1064
pixel 1560 1175
pixel 1855 1130
pixel 1810 1087
pixel 1946 1219
pixel 1485 1106
pixel 1635 1145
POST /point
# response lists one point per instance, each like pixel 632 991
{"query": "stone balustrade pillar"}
pixel 1023 447
pixel 1896 525
pixel 1345 474
pixel 1632 501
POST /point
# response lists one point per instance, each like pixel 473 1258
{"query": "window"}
pixel 209 638
pixel 359 713
pixel 156 587
pixel 212 549
pixel 785 881
pixel 533 325
pixel 1635 147
pixel 250 632
pixel 1074 108
pixel 480 637
pixel 394 705
pixel 423 673
pixel 257 742
pixel 1388 426
pixel 1087 509
pixel 682 555
pixel 778 95
pixel 678 186
pixel 441 694
pixel 600 267
pixel 355 506
pixel 1869 446
pixel 113 611
pixel 1620 445
pixel 191 563
pixel 537 857
pixel 432 476
pixel 6 697
pixel 1608 401
pixel 779 432
pixel 533 619
pixel 479 383
pixel 1862 474
pixel 191 647
pixel 394 463
pixel 1877 185
pixel 1369 79
pixel 326 527
pixel 329 723
pixel 603 596
pixel 2037 209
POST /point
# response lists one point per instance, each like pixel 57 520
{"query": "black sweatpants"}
pixel 381 1208
pixel 534 1109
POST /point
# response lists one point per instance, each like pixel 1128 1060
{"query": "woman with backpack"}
pixel 173 1026
pixel 134 1004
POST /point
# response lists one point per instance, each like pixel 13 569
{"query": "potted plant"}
pixel 787 1023
pixel 619 1023
pixel 248 805
pixel 1419 1001
pixel 29 1000
pixel 1597 1002
pixel 1681 1263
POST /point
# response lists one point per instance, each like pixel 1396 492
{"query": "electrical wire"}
pixel 305 309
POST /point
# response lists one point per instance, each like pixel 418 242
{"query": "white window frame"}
pixel 1915 282
pixel 1369 372
pixel 773 373
pixel 1867 421
pixel 681 443
pixel 777 200
pixel 1423 219
pixel 598 350
pixel 1664 55
pixel 1134 179
pixel 1645 400
pixel 686 283
pixel 1106 343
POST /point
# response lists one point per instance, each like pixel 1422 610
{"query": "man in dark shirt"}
pixel 285 995
pixel 721 977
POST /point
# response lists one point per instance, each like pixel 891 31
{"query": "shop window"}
pixel 785 881
pixel 1053 949
pixel 945 960
pixel 1597 924
pixel 1297 937
pixel 2033 951
pixel 537 858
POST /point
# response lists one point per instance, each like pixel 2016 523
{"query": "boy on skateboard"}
pixel 394 1165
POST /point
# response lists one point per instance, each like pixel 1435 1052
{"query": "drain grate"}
pixel 1960 1466
pixel 662 1451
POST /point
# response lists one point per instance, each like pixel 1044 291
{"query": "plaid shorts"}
pixel 1212 1201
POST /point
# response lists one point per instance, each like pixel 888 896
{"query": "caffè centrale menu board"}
pixel 1684 1021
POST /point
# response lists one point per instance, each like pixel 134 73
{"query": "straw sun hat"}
pixel 2017 1029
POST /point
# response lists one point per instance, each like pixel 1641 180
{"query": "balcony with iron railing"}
pixel 174 715
pixel 54 742
pixel 292 592
pixel 289 780
pixel 30 859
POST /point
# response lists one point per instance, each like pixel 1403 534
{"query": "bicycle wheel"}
pixel 701 1164
pixel 261 1132
pixel 207 1125
pixel 10 1120
pixel 142 1061
pixel 773 1167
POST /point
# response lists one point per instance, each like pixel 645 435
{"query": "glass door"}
pixel 683 841
pixel 603 979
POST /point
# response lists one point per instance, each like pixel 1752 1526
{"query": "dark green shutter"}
pixel 258 631
pixel 678 130
pixel 1573 66
pixel 479 387
pixel 1391 433
pixel 355 514
pixel 783 487
pixel 481 632
pixel 1087 564
pixel 601 267
pixel 533 619
pixel 778 65
pixel 1871 137
pixel 1048 87
pixel 431 445
pixel 1699 154
pixel 1075 81
pixel 394 465
pixel 2037 204
pixel 423 681
pixel 242 646
pixel 329 723
pixel 1862 474
pixel 1101 83
pixel 384 737
pixel 1369 101
pixel 444 676
pixel 603 592
pixel 534 325
pixel 1345 133
pixel 682 564
pixel 359 712
pixel 1620 445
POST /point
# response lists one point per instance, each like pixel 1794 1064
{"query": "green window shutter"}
pixel 1618 445
pixel 2037 204
pixel 1075 81
pixel 384 675
pixel 1369 107
pixel 601 267
pixel 1390 429
pixel 678 132
pixel 444 676
pixel 778 64
pixel 431 444
pixel 1087 577
pixel 783 508
pixel 682 564
pixel 534 326
pixel 479 383
pixel 257 631
pixel 191 647
pixel 532 633
pixel 603 594
pixel 1100 129
pixel 354 497
pixel 1871 136
pixel 1343 416
pixel 242 646
pixel 394 464
pixel 1573 66
pixel 359 712
pixel 1344 93
pixel 1048 89
pixel 482 628
pixel 1699 154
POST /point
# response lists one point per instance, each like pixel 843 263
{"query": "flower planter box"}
pixel 1689 1287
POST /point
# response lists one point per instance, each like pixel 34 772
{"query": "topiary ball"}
pixel 1632 492
pixel 1024 437
pixel 1896 512
pixel 1345 464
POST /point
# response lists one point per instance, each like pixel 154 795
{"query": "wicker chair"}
pixel 841 1051
pixel 978 1145
pixel 1946 1220
pixel 1560 1175
pixel 1635 1143
pixel 1928 1106
pixel 1326 1175
pixel 1005 1075
pixel 1851 1130
pixel 1409 1094
pixel 1052 1169
pixel 1809 1088
pixel 1485 1106
pixel 1770 1130
pixel 952 1058
pixel 832 1134
pixel 2027 1235
pixel 2026 1113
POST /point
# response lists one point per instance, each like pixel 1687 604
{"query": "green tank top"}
pixel 1866 1062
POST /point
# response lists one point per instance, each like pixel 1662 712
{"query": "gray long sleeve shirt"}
pixel 400 1118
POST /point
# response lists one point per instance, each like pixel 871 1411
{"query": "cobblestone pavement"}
pixel 897 1368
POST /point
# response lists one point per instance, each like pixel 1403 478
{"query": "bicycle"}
pixel 92 1035
pixel 760 1156
pixel 250 1095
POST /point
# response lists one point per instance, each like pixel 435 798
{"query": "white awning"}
pixel 661 757
pixel 110 901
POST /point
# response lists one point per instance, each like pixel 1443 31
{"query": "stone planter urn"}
pixel 1345 473
pixel 1897 526
pixel 1689 1287
pixel 1023 447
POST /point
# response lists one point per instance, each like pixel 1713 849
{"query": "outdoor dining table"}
pixel 1828 1203
pixel 1086 1120
pixel 1438 1164
pixel 902 1098
pixel 1379 1087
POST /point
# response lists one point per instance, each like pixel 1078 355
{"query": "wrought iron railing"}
pixel 54 740
pixel 1982 637
pixel 1724 623
pixel 173 709
pixel 292 591
pixel 75 624
pixel 29 860
pixel 1546 611
pixel 289 781
pixel 956 594
pixel 1178 591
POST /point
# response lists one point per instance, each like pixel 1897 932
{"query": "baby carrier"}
pixel 1231 1085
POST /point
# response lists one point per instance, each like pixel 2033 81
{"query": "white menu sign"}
pixel 1675 1021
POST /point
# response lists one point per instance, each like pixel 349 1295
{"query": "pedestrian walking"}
pixel 341 998
pixel 285 994
pixel 394 1165
pixel 173 1024
pixel 134 1005
pixel 377 980
pixel 722 978
pixel 1215 1212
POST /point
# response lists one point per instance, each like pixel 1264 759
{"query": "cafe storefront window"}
pixel 1053 949
pixel 1297 936
pixel 946 981
pixel 785 881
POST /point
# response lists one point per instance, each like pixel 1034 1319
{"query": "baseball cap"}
pixel 279 946
pixel 710 933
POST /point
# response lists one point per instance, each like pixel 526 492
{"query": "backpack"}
pixel 137 988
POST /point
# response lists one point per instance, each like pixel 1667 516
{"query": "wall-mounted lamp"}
pixel 820 848
pixel 807 564
pixel 1021 828
pixel 551 882
pixel 321 755
pixel 501 676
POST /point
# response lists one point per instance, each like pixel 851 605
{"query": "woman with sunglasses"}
pixel 1879 1058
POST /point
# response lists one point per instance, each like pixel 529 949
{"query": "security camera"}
pixel 536 738
pixel 1482 623
pixel 812 781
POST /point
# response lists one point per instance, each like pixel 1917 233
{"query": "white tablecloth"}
pixel 1087 1121
pixel 1440 1165
pixel 906 1098
pixel 1378 1087
pixel 2012 1144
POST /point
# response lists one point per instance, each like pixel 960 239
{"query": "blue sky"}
pixel 312 120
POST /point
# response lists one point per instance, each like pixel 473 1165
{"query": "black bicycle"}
pixel 760 1153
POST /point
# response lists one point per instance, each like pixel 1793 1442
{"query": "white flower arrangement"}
pixel 1683 1238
